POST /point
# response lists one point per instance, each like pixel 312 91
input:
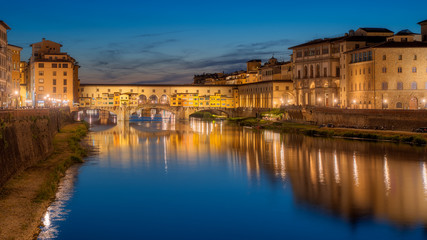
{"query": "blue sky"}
pixel 170 41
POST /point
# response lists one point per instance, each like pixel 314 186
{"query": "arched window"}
pixel 311 71
pixel 398 105
pixel 414 85
pixel 317 71
pixel 305 71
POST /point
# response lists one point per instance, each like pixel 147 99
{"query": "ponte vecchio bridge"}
pixel 126 99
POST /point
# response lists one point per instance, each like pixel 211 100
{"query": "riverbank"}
pixel 25 198
pixel 349 133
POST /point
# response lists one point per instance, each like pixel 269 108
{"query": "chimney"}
pixel 423 25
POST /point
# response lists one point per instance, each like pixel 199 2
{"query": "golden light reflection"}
pixel 336 169
pixel 361 179
pixel 386 176
pixel 355 170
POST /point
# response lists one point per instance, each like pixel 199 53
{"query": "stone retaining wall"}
pixel 360 118
pixel 26 138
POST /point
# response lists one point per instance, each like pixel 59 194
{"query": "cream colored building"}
pixel 54 75
pixel 4 70
pixel 391 75
pixel 266 94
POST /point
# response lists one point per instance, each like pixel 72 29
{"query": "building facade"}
pixel 4 65
pixel 364 69
pixel 391 75
pixel 54 75
pixel 13 85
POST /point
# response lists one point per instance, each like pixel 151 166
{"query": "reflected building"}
pixel 338 176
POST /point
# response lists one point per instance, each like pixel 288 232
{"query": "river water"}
pixel 210 180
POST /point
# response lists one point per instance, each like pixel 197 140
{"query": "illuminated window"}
pixel 41 80
pixel 41 88
pixel 384 86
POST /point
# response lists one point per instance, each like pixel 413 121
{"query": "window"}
pixel 154 90
pixel 384 86
pixel 399 69
pixel 164 90
pixel 398 105
pixel 399 85
pixel 384 70
pixel 415 57
pixel 384 57
pixel 109 90
pixel 54 83
pixel 414 69
pixel 414 85
pixel 54 90
pixel 65 73
pixel 54 73
pixel 325 72
pixel 41 88
pixel 400 57
pixel 208 91
pixel 54 65
pixel 41 80
pixel 65 82
pixel 186 91
pixel 142 90
pixel 65 65
pixel 97 90
pixel 41 73
pixel 287 88
pixel 277 88
pixel 41 65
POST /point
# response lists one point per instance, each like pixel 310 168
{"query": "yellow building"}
pixel 14 84
pixel 54 75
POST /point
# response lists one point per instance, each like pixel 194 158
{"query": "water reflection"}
pixel 349 178
pixel 352 180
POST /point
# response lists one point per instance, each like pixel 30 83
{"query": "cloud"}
pixel 150 62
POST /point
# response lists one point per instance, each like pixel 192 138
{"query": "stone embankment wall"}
pixel 360 118
pixel 26 137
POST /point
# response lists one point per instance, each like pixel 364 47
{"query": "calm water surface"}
pixel 204 180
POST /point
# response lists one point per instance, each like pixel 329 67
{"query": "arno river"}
pixel 210 180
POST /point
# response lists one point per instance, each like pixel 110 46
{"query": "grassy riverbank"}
pixel 25 198
pixel 312 130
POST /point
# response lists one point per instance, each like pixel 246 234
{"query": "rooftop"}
pixel 405 32
pixel 5 25
pixel 384 30
pixel 318 41
pixel 423 22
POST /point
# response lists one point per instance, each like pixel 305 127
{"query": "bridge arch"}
pixel 153 99
pixel 164 99
pixel 142 99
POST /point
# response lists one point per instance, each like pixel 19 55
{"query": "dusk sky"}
pixel 170 41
